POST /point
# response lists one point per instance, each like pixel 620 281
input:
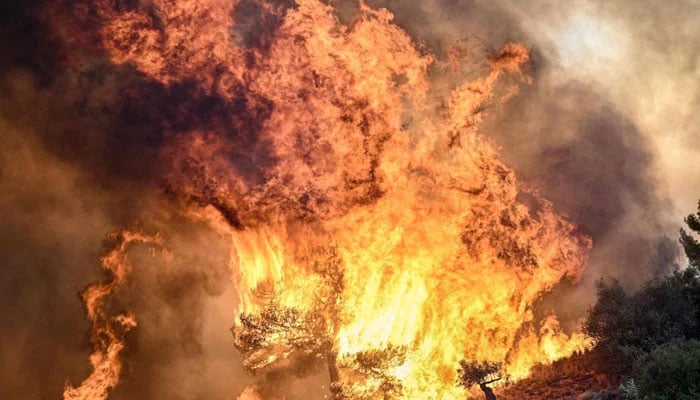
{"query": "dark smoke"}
pixel 79 160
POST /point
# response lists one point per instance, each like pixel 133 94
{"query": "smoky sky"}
pixel 79 159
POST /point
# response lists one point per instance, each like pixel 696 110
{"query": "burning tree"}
pixel 322 133
pixel 373 375
pixel 289 338
pixel 280 336
pixel 483 373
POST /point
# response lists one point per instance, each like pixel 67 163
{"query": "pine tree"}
pixel 690 244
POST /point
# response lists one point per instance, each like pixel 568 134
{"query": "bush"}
pixel 670 372
pixel 628 326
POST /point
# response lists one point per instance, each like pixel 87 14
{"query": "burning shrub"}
pixel 479 373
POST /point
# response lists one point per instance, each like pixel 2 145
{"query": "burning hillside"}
pixel 373 230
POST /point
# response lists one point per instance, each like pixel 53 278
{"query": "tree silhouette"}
pixel 690 244
pixel 479 373
pixel 372 375
pixel 286 338
pixel 282 337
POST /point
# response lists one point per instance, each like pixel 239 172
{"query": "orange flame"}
pixel 107 333
pixel 364 143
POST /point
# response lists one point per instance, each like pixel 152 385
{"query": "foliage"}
pixel 375 379
pixel 475 373
pixel 279 331
pixel 651 336
pixel 282 337
pixel 671 371
pixel 628 326
pixel 690 244
pixel 629 390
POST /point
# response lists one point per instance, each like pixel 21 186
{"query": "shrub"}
pixel 670 372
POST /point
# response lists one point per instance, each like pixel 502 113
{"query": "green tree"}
pixel 690 244
pixel 651 337
pixel 627 326
pixel 670 371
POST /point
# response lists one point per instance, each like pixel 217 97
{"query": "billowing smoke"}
pixel 604 131
pixel 625 74
pixel 72 170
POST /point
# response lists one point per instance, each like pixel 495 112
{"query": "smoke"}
pixel 605 131
pixel 639 63
pixel 55 215
pixel 77 162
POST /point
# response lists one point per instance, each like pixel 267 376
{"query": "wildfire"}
pixel 372 227
pixel 107 333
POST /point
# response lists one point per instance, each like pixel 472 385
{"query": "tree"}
pixel 690 244
pixel 663 309
pixel 372 374
pixel 479 373
pixel 281 337
pixel 627 326
pixel 288 338
pixel 670 371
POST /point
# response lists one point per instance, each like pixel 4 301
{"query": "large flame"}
pixel 107 333
pixel 350 140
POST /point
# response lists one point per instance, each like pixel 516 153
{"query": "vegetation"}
pixel 628 326
pixel 670 371
pixel 371 375
pixel 690 244
pixel 578 377
pixel 479 373
pixel 651 338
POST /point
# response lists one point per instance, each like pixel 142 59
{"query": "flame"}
pixel 353 140
pixel 249 393
pixel 107 333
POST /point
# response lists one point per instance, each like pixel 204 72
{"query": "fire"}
pixel 107 333
pixel 371 225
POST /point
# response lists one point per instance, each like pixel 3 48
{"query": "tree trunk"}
pixel 334 375
pixel 332 367
pixel 488 392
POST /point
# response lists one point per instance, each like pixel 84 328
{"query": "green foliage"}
pixel 651 337
pixel 670 372
pixel 690 244
pixel 628 326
